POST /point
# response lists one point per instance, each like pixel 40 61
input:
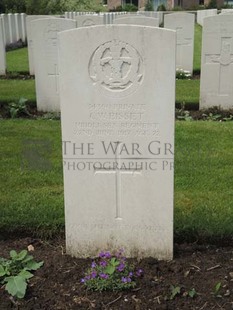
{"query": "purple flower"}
pixel 83 280
pixel 130 274
pixel 139 272
pixel 104 275
pixel 93 274
pixel 93 265
pixel 108 254
pixel 125 279
pixel 121 267
pixel 103 263
pixel 101 254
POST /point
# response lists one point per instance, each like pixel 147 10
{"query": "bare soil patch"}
pixel 57 284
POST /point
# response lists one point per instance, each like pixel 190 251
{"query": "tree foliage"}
pixel 49 6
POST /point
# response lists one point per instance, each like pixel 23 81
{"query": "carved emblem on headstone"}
pixel 88 22
pixel 117 67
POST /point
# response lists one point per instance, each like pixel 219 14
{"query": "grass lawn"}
pixel 32 200
pixel 197 48
pixel 17 60
pixel 187 91
pixel 12 90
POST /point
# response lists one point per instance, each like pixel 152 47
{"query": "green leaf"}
pixel 22 255
pixel 192 293
pixel 175 290
pixel 32 265
pixel 27 258
pixel 110 269
pixel 114 262
pixel 25 274
pixel 22 100
pixel 16 286
pixel 2 271
pixel 217 287
pixel 13 254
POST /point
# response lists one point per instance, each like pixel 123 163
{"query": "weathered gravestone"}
pixel 117 105
pixel 183 23
pixel 217 62
pixel 201 14
pixel 30 39
pixel 138 20
pixel 45 55
pixel 2 49
pixel 89 20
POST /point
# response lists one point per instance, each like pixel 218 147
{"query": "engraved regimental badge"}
pixel 116 68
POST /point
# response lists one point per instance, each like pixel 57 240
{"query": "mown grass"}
pixel 32 200
pixel 17 60
pixel 197 48
pixel 187 92
pixel 12 90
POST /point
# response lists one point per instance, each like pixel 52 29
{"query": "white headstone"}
pixel 217 62
pixel 45 54
pixel 183 23
pixel 226 11
pixel 117 108
pixel 89 20
pixel 30 39
pixel 23 26
pixel 137 20
pixel 201 14
pixel 6 28
pixel 2 50
pixel 12 28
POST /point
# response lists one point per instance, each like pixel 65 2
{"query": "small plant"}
pixel 19 108
pixel 212 117
pixel 175 290
pixel 111 272
pixel 183 74
pixel 15 272
pixel 217 289
pixel 182 114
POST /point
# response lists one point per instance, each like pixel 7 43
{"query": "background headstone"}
pixel 217 62
pixel 201 14
pixel 89 20
pixel 137 20
pixel 117 111
pixel 2 49
pixel 183 23
pixel 45 54
pixel 30 39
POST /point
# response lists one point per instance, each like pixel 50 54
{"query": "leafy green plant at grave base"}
pixel 51 116
pixel 183 74
pixel 111 272
pixel 212 117
pixel 19 108
pixel 15 272
pixel 182 114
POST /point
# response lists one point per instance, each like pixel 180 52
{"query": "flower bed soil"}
pixel 57 284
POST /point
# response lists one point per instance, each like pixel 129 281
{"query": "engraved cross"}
pixel 224 59
pixel 118 172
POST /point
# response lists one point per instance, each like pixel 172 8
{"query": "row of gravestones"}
pixel 217 56
pixel 43 62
